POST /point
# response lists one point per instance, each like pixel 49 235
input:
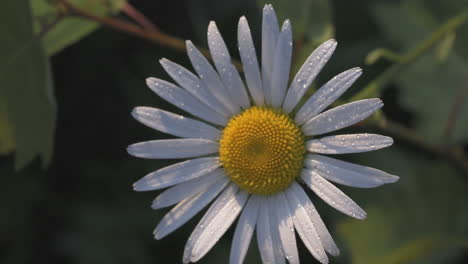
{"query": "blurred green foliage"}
pixel 417 221
pixel 429 87
pixel 76 205
pixel 64 32
pixel 28 115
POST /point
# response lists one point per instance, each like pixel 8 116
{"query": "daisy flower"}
pixel 252 148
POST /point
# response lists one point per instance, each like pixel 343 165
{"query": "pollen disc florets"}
pixel 262 150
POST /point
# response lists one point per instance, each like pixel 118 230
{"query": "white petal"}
pixel 286 228
pixel 341 116
pixel 173 148
pixel 264 240
pixel 270 33
pixel 218 225
pixel 249 62
pixel 281 65
pixel 342 144
pixel 176 173
pixel 184 101
pixel 322 231
pixel 305 228
pixel 244 231
pixel 210 78
pixel 173 124
pixel 332 195
pixel 327 94
pixel 187 189
pixel 307 73
pixel 228 73
pixel 186 209
pixel 225 198
pixel 193 85
pixel 280 257
pixel 348 173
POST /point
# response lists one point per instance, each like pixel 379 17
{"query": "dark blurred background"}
pixel 79 207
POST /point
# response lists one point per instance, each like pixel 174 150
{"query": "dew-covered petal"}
pixel 354 143
pixel 286 228
pixel 224 198
pixel 332 195
pixel 244 231
pixel 187 189
pixel 264 239
pixel 218 225
pixel 327 94
pixel 249 62
pixel 278 250
pixel 176 173
pixel 173 148
pixel 188 208
pixel 307 73
pixel 304 226
pixel 281 65
pixel 327 241
pixel 341 116
pixel 193 85
pixel 173 124
pixel 346 173
pixel 228 73
pixel 184 101
pixel 210 78
pixel 270 33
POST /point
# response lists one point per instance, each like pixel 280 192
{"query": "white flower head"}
pixel 251 148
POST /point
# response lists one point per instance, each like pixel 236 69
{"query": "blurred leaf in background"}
pixel 64 31
pixel 422 219
pixel 28 108
pixel 443 10
pixel 428 88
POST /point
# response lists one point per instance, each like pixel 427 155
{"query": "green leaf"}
pixel 25 86
pixel 65 31
pixel 429 88
pixel 420 219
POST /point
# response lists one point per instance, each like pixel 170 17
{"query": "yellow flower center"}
pixel 262 150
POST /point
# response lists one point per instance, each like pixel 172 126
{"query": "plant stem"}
pixel 373 88
pixel 154 34
pixel 455 111
pixel 455 155
pixel 138 17
pixel 121 25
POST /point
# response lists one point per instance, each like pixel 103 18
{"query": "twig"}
pixel 155 36
pixel 452 119
pixel 455 155
pixel 138 17
pixel 371 90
